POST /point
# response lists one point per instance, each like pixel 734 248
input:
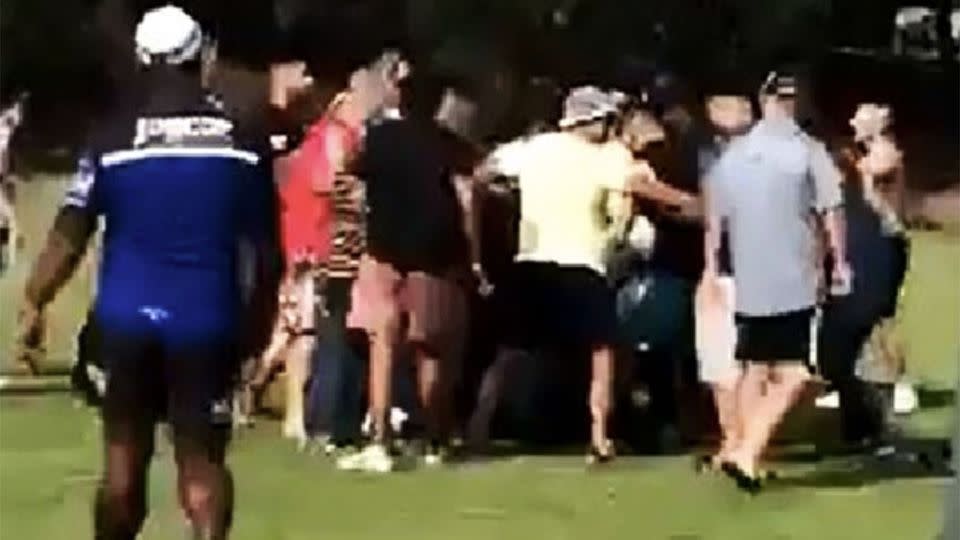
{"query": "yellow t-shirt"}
pixel 564 181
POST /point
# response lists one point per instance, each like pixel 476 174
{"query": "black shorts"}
pixel 149 381
pixel 776 338
pixel 545 305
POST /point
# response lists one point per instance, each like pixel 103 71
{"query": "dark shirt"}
pixel 414 219
pixel 678 247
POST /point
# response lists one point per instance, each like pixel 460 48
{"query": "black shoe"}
pixel 704 464
pixel 745 482
pixel 596 456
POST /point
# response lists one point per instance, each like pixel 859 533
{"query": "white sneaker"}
pixel 374 458
pixel 828 401
pixel 434 456
pixel 905 399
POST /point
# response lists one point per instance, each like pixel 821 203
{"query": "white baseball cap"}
pixel 167 35
pixel 587 104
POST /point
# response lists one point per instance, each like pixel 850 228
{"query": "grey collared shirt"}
pixel 767 187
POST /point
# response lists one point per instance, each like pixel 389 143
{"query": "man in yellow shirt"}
pixel 557 297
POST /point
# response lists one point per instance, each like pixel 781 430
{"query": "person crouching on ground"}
pixel 768 190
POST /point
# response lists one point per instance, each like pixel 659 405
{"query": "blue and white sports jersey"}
pixel 178 200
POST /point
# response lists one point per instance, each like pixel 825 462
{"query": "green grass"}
pixel 49 461
pixel 69 309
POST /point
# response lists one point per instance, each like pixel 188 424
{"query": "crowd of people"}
pixel 626 242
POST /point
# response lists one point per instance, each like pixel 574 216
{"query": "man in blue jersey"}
pixel 185 205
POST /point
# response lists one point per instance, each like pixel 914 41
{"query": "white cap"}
pixel 587 104
pixel 168 35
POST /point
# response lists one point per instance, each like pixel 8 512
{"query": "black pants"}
pixel 841 339
pixel 659 328
pixel 336 384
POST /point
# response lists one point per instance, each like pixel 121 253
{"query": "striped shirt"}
pixel 349 227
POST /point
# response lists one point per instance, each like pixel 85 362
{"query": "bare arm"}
pixel 470 195
pixel 713 224
pixel 828 205
pixel 643 182
pixel 834 226
pixel 66 244
pixel 898 195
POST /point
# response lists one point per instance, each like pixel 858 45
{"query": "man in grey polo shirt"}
pixel 770 191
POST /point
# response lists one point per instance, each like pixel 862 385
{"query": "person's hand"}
pixel 30 337
pixel 710 281
pixel 882 158
pixel 484 287
pixel 841 279
pixel 688 209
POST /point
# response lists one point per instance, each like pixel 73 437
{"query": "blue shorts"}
pixel 150 380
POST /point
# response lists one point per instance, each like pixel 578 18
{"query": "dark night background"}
pixel 74 56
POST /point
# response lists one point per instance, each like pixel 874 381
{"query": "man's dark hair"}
pixel 421 94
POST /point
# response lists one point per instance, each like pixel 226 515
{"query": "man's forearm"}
pixel 471 202
pixel 711 243
pixel 834 226
pixel 657 191
pixel 58 260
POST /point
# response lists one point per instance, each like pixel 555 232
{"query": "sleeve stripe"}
pixel 124 156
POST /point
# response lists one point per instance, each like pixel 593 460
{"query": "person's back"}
pixel 305 196
pixel 187 212
pixel 415 221
pixel 177 196
pixel 563 178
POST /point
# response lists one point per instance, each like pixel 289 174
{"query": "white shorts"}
pixel 716 333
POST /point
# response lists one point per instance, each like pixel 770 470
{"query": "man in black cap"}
pixel 769 191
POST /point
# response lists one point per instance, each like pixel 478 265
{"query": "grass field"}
pixel 49 461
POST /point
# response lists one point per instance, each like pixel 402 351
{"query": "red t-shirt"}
pixel 307 211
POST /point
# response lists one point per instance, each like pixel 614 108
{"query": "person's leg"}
pixel 432 393
pixel 199 411
pixel 381 285
pixel 273 355
pixel 437 329
pixel 488 398
pixel 133 399
pixel 298 360
pixel 381 384
pixel 784 387
pixel 346 408
pixel 121 499
pixel 590 319
pixel 204 484
pixel 600 401
pixel 749 400
pixel 728 416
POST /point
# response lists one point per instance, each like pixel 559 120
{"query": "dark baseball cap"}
pixel 780 84
pixel 727 82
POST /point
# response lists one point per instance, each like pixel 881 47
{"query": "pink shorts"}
pixel 416 307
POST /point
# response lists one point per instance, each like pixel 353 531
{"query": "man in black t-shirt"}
pixel 416 249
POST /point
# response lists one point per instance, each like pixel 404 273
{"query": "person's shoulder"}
pixel 547 140
pixel 616 150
